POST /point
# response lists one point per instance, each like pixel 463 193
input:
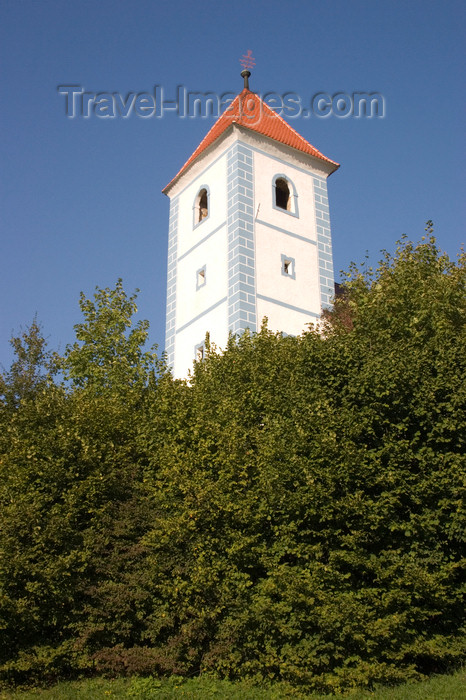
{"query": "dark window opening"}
pixel 282 194
pixel 288 267
pixel 203 205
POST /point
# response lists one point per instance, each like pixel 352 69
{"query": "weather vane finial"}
pixel 248 62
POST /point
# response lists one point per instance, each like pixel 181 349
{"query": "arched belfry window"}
pixel 284 195
pixel 201 205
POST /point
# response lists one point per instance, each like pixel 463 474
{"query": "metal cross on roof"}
pixel 247 61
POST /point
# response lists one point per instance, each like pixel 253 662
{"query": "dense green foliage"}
pixel 293 513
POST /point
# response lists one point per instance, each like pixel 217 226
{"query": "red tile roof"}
pixel 249 111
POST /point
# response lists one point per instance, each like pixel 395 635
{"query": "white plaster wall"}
pixel 282 319
pixel 214 176
pixel 204 244
pixel 212 253
pixel 292 157
pixel 204 161
pixel 265 168
pixel 303 291
pixel 215 322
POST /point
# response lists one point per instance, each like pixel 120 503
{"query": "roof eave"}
pixel 186 168
pixel 331 165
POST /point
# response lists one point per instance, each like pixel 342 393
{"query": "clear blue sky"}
pixel 81 201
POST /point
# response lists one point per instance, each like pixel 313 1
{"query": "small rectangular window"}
pixel 288 267
pixel 199 352
pixel 201 277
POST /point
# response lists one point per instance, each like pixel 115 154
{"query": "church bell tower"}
pixel 249 232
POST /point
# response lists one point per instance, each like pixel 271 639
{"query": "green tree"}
pixel 109 354
pixel 69 489
pixel 31 369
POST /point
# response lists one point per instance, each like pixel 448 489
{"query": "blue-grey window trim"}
pixel 295 210
pixel 198 272
pixel 196 209
pixel 197 348
pixel 292 261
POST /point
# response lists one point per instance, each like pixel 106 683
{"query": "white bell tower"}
pixel 249 233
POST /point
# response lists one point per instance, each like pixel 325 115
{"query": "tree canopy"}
pixel 294 511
